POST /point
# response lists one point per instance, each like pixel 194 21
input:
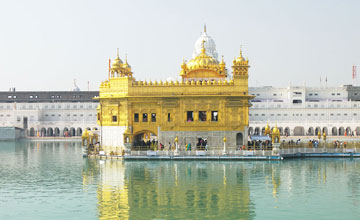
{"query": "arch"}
pixel 317 129
pixel 50 132
pixel 89 129
pixel 299 131
pixel 348 131
pixel 143 140
pixel 78 132
pixel 72 132
pixel 310 131
pixel 281 130
pixel 287 131
pixel 251 131
pixel 262 130
pixel 357 131
pixel 239 139
pixel 341 131
pixel 325 130
pixel 66 132
pixel 257 131
pixel 56 132
pixel 32 132
pixel 334 131
pixel 43 132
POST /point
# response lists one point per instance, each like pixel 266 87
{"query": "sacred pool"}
pixel 51 180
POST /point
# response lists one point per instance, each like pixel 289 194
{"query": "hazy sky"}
pixel 45 44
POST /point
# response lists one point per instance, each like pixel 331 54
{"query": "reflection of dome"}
pixel 209 45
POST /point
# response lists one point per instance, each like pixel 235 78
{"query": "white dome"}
pixel 209 44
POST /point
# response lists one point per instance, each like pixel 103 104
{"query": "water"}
pixel 51 180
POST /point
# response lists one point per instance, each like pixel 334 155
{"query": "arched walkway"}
pixel 325 130
pixel 56 132
pixel 287 131
pixel 72 132
pixel 299 131
pixel 43 132
pixel 257 131
pixel 281 130
pixel 65 132
pixel 317 130
pixel 78 132
pixel 348 131
pixel 357 131
pixel 50 132
pixel 144 140
pixel 251 130
pixel 239 139
pixel 334 131
pixel 32 132
pixel 310 131
pixel 341 131
pixel 263 131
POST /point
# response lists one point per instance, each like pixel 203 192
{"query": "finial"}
pixel 117 52
pixel 204 28
pixel 222 58
pixel 240 50
pixel 203 46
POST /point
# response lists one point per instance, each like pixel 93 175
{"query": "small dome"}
pixel 209 45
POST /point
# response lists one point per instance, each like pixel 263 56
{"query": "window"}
pixel 190 116
pixel 315 94
pixel 114 118
pixel 169 118
pixel 354 114
pixel 145 117
pixel 52 96
pixel 332 114
pixel 274 94
pixel 262 114
pixel 202 115
pixel 31 97
pixel 332 93
pixel 136 117
pixel 153 117
pixel 337 93
pixel 310 94
pixel 297 101
pixel 18 119
pixel 214 116
pixel 308 114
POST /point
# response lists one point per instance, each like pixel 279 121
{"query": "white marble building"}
pixel 299 110
pixel 49 114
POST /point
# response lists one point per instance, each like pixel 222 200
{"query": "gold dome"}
pixel 117 62
pixel 203 61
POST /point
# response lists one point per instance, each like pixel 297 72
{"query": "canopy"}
pixel 260 138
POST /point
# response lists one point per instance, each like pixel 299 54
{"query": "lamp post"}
pixel 176 144
pixel 224 139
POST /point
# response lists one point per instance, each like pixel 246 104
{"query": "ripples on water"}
pixel 51 180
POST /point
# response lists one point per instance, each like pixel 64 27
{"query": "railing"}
pixel 203 153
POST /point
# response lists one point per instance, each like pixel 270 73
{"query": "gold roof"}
pixel 203 62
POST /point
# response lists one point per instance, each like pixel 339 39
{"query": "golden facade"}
pixel 204 103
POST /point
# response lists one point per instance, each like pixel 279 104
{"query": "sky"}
pixel 46 44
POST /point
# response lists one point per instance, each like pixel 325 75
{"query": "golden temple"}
pixel 204 103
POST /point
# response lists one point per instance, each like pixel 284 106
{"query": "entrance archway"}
pixel 257 131
pixel 281 130
pixel 239 140
pixel 357 131
pixel 325 130
pixel 66 132
pixel 317 130
pixel 299 131
pixel 145 140
pixel 348 131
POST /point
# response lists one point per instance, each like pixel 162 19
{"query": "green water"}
pixel 52 181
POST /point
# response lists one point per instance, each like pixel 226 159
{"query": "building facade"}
pixel 300 110
pixel 204 104
pixel 49 114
